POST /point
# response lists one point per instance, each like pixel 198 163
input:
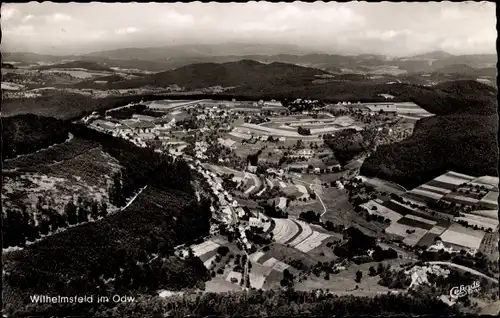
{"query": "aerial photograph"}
pixel 249 159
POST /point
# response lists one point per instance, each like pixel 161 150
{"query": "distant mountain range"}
pixel 231 74
pixel 171 57
pixel 91 66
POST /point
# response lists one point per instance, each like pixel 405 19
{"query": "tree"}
pixel 372 270
pixel 359 275
pixel 70 211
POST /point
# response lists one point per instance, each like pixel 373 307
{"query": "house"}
pixel 255 222
pixel 282 203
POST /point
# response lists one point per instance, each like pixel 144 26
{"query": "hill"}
pixel 24 134
pixel 91 66
pixel 461 138
pixel 244 72
pixel 127 252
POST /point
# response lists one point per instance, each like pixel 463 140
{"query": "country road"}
pixel 470 270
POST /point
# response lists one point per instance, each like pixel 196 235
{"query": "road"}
pixel 467 269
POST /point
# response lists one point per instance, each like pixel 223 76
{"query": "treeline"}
pixel 23 134
pixel 461 143
pixel 20 227
pixel 283 303
pixel 349 143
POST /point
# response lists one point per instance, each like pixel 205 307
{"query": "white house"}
pixel 256 222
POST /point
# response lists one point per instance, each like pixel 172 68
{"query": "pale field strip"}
pixel 413 238
pixel 209 261
pixel 383 211
pixel 249 190
pixel 427 194
pixel 234 274
pixel 450 179
pixel 288 231
pixel 282 184
pixel 462 198
pixel 306 232
pixel 261 191
pixel 270 262
pixel 204 248
pixel 466 230
pixel 256 280
pixel 312 242
pixel 418 218
pixel 409 117
pixel 434 189
pixel 324 130
pixel 491 198
pixel 280 266
pixel 278 227
pixel 256 256
pixel 438 230
pixel 491 214
pixel 479 223
pixel 302 189
pixel 462 239
pixel 460 175
pixel 481 218
pixel 488 180
pixel 239 135
pixel 409 110
pixel 287 127
pixel 273 131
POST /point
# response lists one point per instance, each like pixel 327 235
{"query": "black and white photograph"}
pixel 249 159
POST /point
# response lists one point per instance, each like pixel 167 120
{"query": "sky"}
pixel 395 29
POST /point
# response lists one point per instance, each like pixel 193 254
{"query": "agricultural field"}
pixel 378 209
pixel 480 221
pixel 385 186
pixel 457 235
pixel 489 245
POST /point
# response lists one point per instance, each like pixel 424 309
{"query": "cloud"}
pixel 176 19
pixel 452 13
pixel 59 17
pixel 128 30
pixel 28 18
pixel 8 13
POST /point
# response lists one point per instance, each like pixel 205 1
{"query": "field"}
pixel 385 186
pixel 382 210
pixel 480 221
pixel 461 236
pixel 489 245
pixel 412 222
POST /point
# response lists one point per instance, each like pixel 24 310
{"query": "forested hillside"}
pixel 24 134
pixel 128 252
pixel 462 138
pixel 283 303
pixel 231 74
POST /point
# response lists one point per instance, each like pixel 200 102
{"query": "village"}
pixel 283 200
